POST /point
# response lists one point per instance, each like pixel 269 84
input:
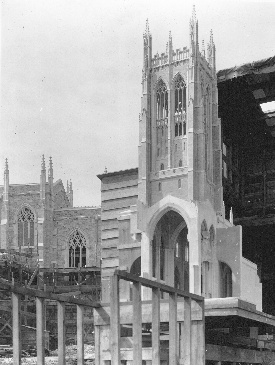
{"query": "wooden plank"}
pixel 156 326
pixel 61 333
pixel 80 335
pixel 198 340
pixel 40 331
pixel 102 317
pixel 155 284
pixel 97 343
pixel 16 328
pixel 173 331
pixel 115 320
pixel 46 295
pixel 137 325
pixel 185 340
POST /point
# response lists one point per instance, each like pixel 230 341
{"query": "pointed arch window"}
pixel 162 104
pixel 77 249
pixel 26 227
pixel 180 107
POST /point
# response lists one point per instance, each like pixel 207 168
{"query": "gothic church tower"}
pixel 179 184
pixel 179 146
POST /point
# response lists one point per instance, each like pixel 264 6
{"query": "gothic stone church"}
pixel 39 222
pixel 166 219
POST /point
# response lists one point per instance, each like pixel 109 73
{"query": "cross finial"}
pixel 51 163
pixel 105 171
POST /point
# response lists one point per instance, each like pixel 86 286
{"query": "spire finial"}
pixel 71 185
pixel 105 171
pixel 203 48
pixel 211 37
pixel 6 165
pixel 51 162
pixel 43 166
pixel 194 14
pixel 147 27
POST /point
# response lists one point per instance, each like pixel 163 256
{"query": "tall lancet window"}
pixel 180 107
pixel 161 123
pixel 26 227
pixel 162 103
pixel 77 249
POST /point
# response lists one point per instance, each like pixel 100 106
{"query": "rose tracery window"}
pixel 180 107
pixel 77 249
pixel 162 104
pixel 26 227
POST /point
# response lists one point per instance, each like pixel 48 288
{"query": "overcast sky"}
pixel 71 77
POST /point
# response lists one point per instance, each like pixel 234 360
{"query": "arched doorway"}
pixel 170 251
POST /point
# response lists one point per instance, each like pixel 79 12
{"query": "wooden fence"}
pixel 183 311
pixel 17 291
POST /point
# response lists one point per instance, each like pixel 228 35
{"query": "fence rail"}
pixel 184 330
pixel 17 291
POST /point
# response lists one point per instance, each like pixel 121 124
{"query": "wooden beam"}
pixel 46 295
pixel 80 335
pixel 173 331
pixel 115 320
pixel 40 331
pixel 156 326
pixel 155 284
pixel 16 329
pixel 61 333
pixel 137 325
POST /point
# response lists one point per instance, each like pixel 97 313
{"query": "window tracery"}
pixel 26 227
pixel 180 107
pixel 77 249
pixel 162 104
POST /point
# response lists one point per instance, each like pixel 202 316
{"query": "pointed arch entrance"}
pixel 170 251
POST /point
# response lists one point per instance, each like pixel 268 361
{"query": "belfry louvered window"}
pixel 180 107
pixel 162 104
pixel 77 249
pixel 26 227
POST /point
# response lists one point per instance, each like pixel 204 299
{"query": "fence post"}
pixel 115 319
pixel 155 326
pixel 16 328
pixel 173 331
pixel 40 331
pixel 137 324
pixel 197 338
pixel 185 341
pixel 80 337
pixel 61 332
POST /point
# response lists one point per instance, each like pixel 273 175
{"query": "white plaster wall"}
pixel 251 288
